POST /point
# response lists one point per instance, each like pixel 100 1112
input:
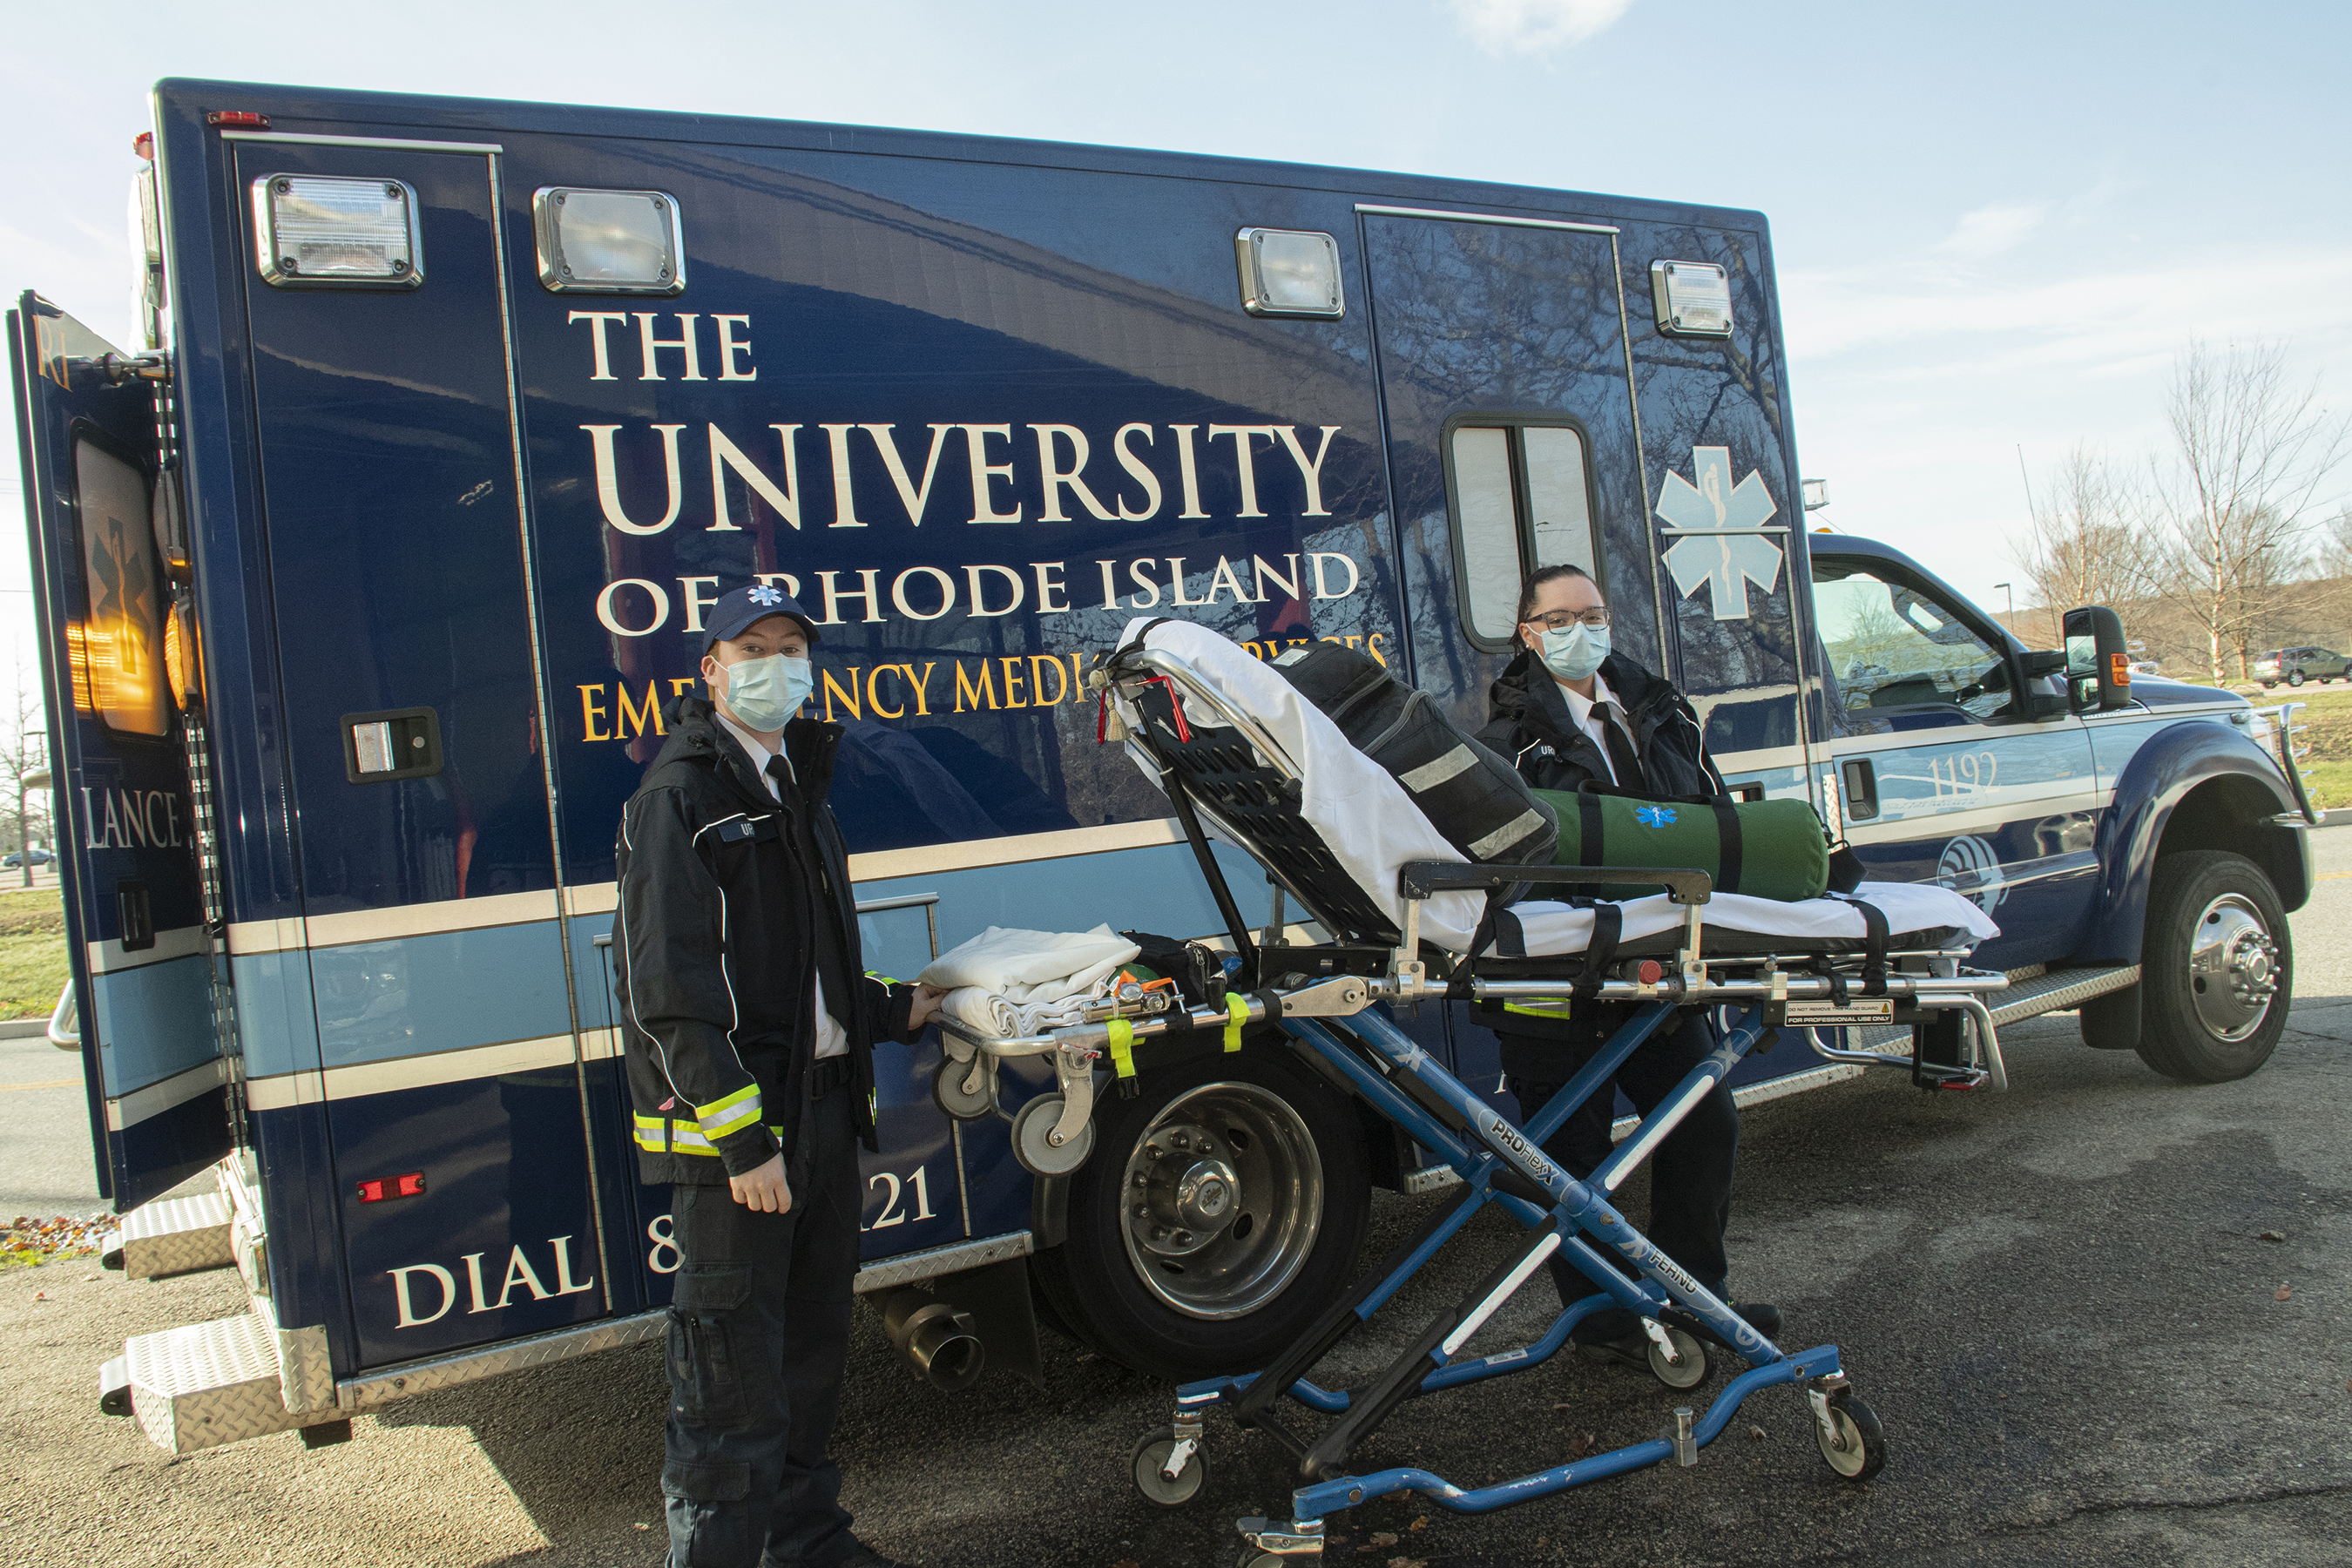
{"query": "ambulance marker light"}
pixel 411 1185
pixel 323 231
pixel 238 119
pixel 143 144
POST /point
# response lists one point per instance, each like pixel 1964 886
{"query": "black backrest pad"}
pixel 1474 797
pixel 1220 770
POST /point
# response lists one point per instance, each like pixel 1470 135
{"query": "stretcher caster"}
pixel 1156 1455
pixel 1033 1139
pixel 1687 1367
pixel 948 1090
pixel 1851 1440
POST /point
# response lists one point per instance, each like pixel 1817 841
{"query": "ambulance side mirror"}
pixel 2098 665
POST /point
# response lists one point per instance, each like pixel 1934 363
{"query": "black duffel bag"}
pixel 1474 797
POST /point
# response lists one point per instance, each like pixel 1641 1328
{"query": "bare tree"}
pixel 2086 546
pixel 25 751
pixel 2234 496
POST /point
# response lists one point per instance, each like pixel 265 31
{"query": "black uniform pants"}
pixel 1690 1172
pixel 759 1337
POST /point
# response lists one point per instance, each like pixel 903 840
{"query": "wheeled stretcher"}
pixel 1402 921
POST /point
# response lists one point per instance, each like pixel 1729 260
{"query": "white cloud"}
pixel 1994 228
pixel 1534 26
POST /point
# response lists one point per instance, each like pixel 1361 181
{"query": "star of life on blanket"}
pixel 1404 917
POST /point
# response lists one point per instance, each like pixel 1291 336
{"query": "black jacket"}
pixel 729 904
pixel 1527 721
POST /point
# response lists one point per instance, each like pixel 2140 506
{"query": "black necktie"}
pixel 781 770
pixel 1622 759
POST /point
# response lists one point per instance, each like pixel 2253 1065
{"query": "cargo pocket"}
pixel 709 1526
pixel 708 1359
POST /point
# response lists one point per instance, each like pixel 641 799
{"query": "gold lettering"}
pixel 1037 681
pixel 1013 679
pixel 874 698
pixel 833 688
pixel 965 689
pixel 633 718
pixel 1373 646
pixel 591 713
pixel 922 708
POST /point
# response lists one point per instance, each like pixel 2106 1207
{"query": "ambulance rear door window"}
pixel 1520 488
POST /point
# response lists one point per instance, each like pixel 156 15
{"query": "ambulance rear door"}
pixel 106 554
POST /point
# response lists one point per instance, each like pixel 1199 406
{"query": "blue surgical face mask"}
pixel 764 693
pixel 1576 652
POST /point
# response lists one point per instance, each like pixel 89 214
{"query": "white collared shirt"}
pixel 1580 710
pixel 832 1040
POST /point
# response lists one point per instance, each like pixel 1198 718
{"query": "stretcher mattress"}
pixel 1373 829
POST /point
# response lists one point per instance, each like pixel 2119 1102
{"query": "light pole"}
pixel 2012 604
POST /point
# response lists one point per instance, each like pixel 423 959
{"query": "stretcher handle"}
pixel 1419 879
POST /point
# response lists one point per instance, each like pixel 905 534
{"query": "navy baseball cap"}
pixel 733 612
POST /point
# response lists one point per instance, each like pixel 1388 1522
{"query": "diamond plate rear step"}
pixel 209 1383
pixel 2058 991
pixel 173 1235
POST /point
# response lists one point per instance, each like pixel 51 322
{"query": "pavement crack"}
pixel 2187 1505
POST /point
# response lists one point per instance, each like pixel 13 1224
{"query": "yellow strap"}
pixel 1122 1047
pixel 1236 1011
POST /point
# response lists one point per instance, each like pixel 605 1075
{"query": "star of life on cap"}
pixel 734 612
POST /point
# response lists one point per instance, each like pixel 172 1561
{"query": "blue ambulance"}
pixel 365 575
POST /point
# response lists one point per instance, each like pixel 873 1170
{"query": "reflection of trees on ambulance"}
pixel 1891 646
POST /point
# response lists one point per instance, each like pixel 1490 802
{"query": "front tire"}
pixel 2295 678
pixel 1222 1211
pixel 2217 970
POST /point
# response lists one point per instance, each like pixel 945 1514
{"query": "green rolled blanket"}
pixel 1765 849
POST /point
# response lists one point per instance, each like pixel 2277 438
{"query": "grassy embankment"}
pixel 32 953
pixel 2329 765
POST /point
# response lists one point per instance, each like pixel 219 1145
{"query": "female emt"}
pixel 1568 710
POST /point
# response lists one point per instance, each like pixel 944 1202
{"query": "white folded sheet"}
pixel 1373 828
pixel 1007 981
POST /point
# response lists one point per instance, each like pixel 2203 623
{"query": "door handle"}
pixel 1860 781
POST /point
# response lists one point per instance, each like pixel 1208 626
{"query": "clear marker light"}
pixel 313 230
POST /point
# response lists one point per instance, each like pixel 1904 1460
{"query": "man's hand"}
pixel 764 1189
pixel 926 1005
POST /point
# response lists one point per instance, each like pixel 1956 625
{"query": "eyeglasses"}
pixel 1596 617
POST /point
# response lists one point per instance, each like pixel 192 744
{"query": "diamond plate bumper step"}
pixel 209 1383
pixel 173 1235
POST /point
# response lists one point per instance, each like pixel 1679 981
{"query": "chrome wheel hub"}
pixel 1224 1198
pixel 2234 968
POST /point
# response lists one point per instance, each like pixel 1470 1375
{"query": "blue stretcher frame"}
pixel 1503 1151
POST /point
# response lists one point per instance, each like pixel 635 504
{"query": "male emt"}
pixel 750 1028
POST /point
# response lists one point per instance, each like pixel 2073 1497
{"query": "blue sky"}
pixel 1995 224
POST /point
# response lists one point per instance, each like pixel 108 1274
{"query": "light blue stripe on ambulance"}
pixel 153 1021
pixel 382 1000
pixel 277 1027
pixel 1155 889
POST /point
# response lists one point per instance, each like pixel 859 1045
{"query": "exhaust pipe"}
pixel 941 1342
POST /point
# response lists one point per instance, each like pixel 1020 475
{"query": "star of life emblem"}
pixel 1655 815
pixel 1728 556
pixel 766 594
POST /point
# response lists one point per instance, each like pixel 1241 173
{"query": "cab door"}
pixel 1943 772
pixel 105 555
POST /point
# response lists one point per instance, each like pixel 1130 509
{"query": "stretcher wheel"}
pixel 1037 1156
pixel 947 1089
pixel 1856 1446
pixel 1690 1372
pixel 1147 1464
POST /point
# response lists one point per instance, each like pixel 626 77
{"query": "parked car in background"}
pixel 14 860
pixel 2297 665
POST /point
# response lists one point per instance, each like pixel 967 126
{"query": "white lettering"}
pixel 1265 574
pixel 1176 582
pixel 597 321
pixel 611 617
pixel 473 1262
pixel 1055 478
pixel 1187 470
pixel 871 593
pixel 1311 473
pixel 984 474
pixel 726 454
pixel 1138 470
pixel 694 603
pixel 563 1284
pixel 519 1272
pixel 1322 587
pixel 845 497
pixel 1110 585
pixel 608 482
pixel 1223 576
pixel 1245 460
pixel 1048 587
pixel 1135 570
pixel 916 498
pixel 408 1317
pixel 980 599
pixel 947 592
pixel 730 345
pixel 647 343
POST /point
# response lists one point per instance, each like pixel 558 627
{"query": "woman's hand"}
pixel 926 1005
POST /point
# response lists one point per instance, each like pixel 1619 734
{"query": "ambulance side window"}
pixel 117 648
pixel 1892 645
pixel 1520 491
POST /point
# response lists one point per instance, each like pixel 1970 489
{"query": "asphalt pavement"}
pixel 2104 1318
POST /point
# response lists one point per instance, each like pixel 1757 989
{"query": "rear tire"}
pixel 2217 970
pixel 1242 1263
